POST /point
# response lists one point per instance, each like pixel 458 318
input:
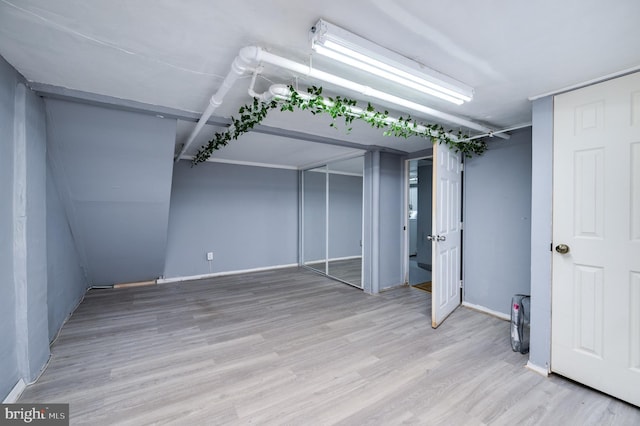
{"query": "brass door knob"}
pixel 562 248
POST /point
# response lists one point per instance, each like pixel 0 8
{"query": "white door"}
pixel 596 216
pixel 446 238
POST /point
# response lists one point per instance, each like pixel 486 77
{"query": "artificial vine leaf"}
pixel 339 107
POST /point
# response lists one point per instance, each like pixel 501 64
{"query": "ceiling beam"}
pixel 78 96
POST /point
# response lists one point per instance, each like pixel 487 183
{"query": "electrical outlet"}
pixel 210 256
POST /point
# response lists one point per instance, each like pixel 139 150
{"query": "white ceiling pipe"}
pixel 265 96
pixel 251 56
pixel 282 91
pixel 498 132
pixel 255 54
pixel 238 68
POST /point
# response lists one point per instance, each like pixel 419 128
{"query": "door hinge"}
pixel 461 284
pixel 462 167
pixel 461 226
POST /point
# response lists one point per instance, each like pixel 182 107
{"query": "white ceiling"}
pixel 176 53
pixel 267 150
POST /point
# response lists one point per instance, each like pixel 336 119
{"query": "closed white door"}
pixel 446 238
pixel 596 237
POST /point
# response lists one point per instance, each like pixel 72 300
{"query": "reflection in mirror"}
pixel 345 220
pixel 314 210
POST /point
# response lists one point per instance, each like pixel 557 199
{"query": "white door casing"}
pixel 596 213
pixel 447 243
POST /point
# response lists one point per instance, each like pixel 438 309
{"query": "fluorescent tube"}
pixel 343 46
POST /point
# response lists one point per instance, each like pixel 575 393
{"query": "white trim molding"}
pixel 15 392
pixel 243 163
pixel 222 274
pixel 485 310
pixel 587 83
pixel 543 371
pixel 333 259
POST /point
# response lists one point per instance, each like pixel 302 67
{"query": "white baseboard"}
pixel 222 274
pixel 392 287
pixel 333 259
pixel 544 371
pixel 15 392
pixel 68 317
pixel 485 310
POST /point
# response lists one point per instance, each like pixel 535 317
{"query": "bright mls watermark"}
pixel 34 414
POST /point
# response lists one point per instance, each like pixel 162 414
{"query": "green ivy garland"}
pixel 337 107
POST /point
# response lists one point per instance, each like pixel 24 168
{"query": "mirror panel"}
pixel 332 211
pixel 314 218
pixel 345 220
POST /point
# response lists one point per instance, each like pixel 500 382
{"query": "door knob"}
pixel 441 238
pixel 562 248
pixel 430 237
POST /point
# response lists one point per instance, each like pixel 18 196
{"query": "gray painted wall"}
pixel 32 281
pixel 24 343
pixel 247 216
pixel 345 215
pixel 425 203
pixel 66 282
pixel 113 171
pixel 541 232
pixel 382 232
pixel 370 245
pixel 497 230
pixel 391 220
pixel 9 374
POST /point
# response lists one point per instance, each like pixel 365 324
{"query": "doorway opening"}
pixel 438 231
pixel 420 203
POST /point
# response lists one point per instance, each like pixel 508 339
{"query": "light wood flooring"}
pixel 349 270
pixel 293 347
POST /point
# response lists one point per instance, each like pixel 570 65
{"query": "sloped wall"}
pixel 113 171
pixel 66 281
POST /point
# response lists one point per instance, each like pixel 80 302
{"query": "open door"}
pixel 446 238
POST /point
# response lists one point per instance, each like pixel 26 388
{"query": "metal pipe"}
pixel 251 56
pixel 499 132
pixel 258 55
pixel 238 67
pixel 282 91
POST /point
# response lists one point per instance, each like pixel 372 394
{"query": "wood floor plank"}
pixel 293 347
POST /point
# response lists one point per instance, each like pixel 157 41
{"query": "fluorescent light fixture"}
pixel 339 44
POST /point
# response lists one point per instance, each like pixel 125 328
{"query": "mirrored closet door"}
pixel 332 212
pixel 314 221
